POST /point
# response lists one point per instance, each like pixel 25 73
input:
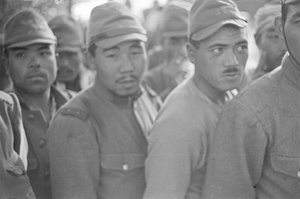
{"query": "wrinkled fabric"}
pixel 98 146
pixel 256 151
pixel 179 144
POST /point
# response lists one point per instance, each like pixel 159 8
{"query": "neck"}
pixel 215 95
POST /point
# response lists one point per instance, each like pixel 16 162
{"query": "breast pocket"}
pixel 288 165
pixel 122 162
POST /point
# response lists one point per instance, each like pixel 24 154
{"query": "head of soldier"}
pixel 218 44
pixel 117 49
pixel 69 47
pixel 30 52
pixel 266 37
pixel 174 31
pixel 288 26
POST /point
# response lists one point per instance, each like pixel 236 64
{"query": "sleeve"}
pixel 74 158
pixel 172 156
pixel 237 154
pixel 20 140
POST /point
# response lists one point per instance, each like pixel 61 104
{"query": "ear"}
pixel 5 62
pixel 278 24
pixel 191 52
pixel 257 38
pixel 90 59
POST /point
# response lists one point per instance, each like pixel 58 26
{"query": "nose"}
pixel 35 62
pixel 231 59
pixel 126 64
pixel 62 61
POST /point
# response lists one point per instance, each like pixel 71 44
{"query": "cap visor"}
pixel 210 30
pixel 107 43
pixel 35 41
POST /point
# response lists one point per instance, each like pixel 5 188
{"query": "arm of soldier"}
pixel 20 140
pixel 74 158
pixel 237 154
pixel 172 155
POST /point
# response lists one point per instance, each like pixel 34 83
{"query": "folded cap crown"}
pixel 208 16
pixel 68 32
pixel 264 16
pixel 111 23
pixel 174 20
pixel 25 28
pixel 289 1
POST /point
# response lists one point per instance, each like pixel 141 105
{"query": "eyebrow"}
pixel 44 46
pixel 112 48
pixel 223 45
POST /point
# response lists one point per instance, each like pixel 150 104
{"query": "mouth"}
pixel 232 74
pixel 126 80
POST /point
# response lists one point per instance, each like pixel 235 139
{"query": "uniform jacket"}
pixel 14 183
pixel 256 150
pixel 36 132
pixel 179 143
pixel 98 146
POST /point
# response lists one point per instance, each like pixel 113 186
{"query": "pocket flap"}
pixel 288 165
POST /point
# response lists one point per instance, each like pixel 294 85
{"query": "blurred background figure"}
pixel 272 48
pixel 72 74
pixel 174 66
pixel 5 81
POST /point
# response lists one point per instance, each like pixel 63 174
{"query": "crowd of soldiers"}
pixel 183 120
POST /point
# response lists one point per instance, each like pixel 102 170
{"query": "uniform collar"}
pixel 56 96
pixel 291 70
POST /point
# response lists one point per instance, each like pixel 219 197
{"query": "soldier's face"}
pixel 68 63
pixel 120 69
pixel 32 68
pixel 292 29
pixel 220 59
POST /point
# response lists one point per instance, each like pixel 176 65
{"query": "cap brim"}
pixel 110 42
pixel 210 30
pixel 35 41
pixel 291 1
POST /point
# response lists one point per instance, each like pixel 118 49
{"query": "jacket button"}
pixel 42 143
pixel 125 167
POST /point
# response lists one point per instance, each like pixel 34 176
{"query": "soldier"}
pixel 255 152
pixel 175 67
pixel 14 182
pixel 267 39
pixel 30 58
pixel 180 138
pixel 98 140
pixel 71 74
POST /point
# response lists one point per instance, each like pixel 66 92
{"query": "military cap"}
pixel 174 20
pixel 68 32
pixel 112 23
pixel 25 28
pixel 289 1
pixel 208 16
pixel 264 16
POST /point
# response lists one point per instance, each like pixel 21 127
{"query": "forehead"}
pixel 127 45
pixel 227 35
pixel 294 10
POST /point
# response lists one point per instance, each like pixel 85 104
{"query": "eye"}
pixel 20 55
pixel 242 48
pixel 46 53
pixel 217 50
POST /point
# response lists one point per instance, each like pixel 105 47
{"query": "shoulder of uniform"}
pixel 74 112
pixel 5 97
